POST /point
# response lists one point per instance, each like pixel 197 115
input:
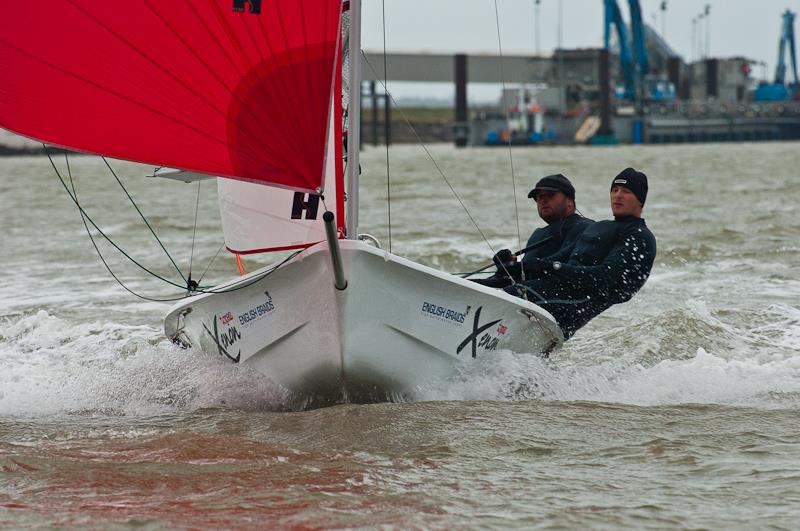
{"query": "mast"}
pixel 353 121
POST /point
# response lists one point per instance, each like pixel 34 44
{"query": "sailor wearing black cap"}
pixel 555 202
pixel 609 263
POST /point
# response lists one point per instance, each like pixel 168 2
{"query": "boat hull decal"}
pixel 486 340
pixel 225 340
pixel 398 327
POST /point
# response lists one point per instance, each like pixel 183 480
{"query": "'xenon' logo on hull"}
pixel 486 340
pixel 225 340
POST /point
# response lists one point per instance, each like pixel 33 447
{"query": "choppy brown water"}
pixel 678 409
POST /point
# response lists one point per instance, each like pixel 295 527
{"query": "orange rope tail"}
pixel 240 265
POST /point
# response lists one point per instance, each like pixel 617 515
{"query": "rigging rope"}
pixel 438 168
pixel 386 125
pixel 428 153
pixel 91 221
pixel 194 233
pixel 503 100
pixel 84 218
pixel 199 280
pixel 199 289
pixel 144 219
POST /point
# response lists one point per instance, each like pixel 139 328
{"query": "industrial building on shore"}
pixel 635 89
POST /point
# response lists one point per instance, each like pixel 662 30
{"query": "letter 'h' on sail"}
pixel 238 89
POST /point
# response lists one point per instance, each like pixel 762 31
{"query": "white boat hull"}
pixel 395 326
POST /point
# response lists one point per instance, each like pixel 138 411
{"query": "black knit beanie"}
pixel 633 180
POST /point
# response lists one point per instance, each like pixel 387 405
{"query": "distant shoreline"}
pixel 29 151
pixel 9 151
pixel 430 125
pixel 12 144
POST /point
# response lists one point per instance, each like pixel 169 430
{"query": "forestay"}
pixel 232 88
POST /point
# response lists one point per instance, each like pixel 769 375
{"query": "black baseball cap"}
pixel 554 183
pixel 633 180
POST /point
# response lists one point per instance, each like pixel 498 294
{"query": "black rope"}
pixel 190 284
pixel 99 230
pixel 543 301
pixel 211 262
pixel 386 126
pixel 428 153
pixel 84 217
pixel 199 289
pixel 435 164
pixel 144 219
pixel 254 279
pixel 521 251
pixel 521 103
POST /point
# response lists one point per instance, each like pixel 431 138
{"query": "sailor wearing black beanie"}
pixel 633 180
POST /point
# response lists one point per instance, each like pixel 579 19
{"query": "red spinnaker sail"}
pixel 238 88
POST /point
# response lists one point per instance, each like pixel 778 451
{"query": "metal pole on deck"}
pixel 339 280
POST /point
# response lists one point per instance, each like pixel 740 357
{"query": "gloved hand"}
pixel 503 256
pixel 511 269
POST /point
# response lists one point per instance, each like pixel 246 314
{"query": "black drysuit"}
pixel 556 239
pixel 610 261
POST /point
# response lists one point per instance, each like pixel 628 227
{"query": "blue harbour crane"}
pixel 639 44
pixel 613 16
pixel 778 90
pixel 634 63
pixel 635 66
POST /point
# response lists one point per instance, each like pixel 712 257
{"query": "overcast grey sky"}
pixel 749 28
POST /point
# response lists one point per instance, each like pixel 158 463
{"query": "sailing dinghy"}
pixel 257 94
